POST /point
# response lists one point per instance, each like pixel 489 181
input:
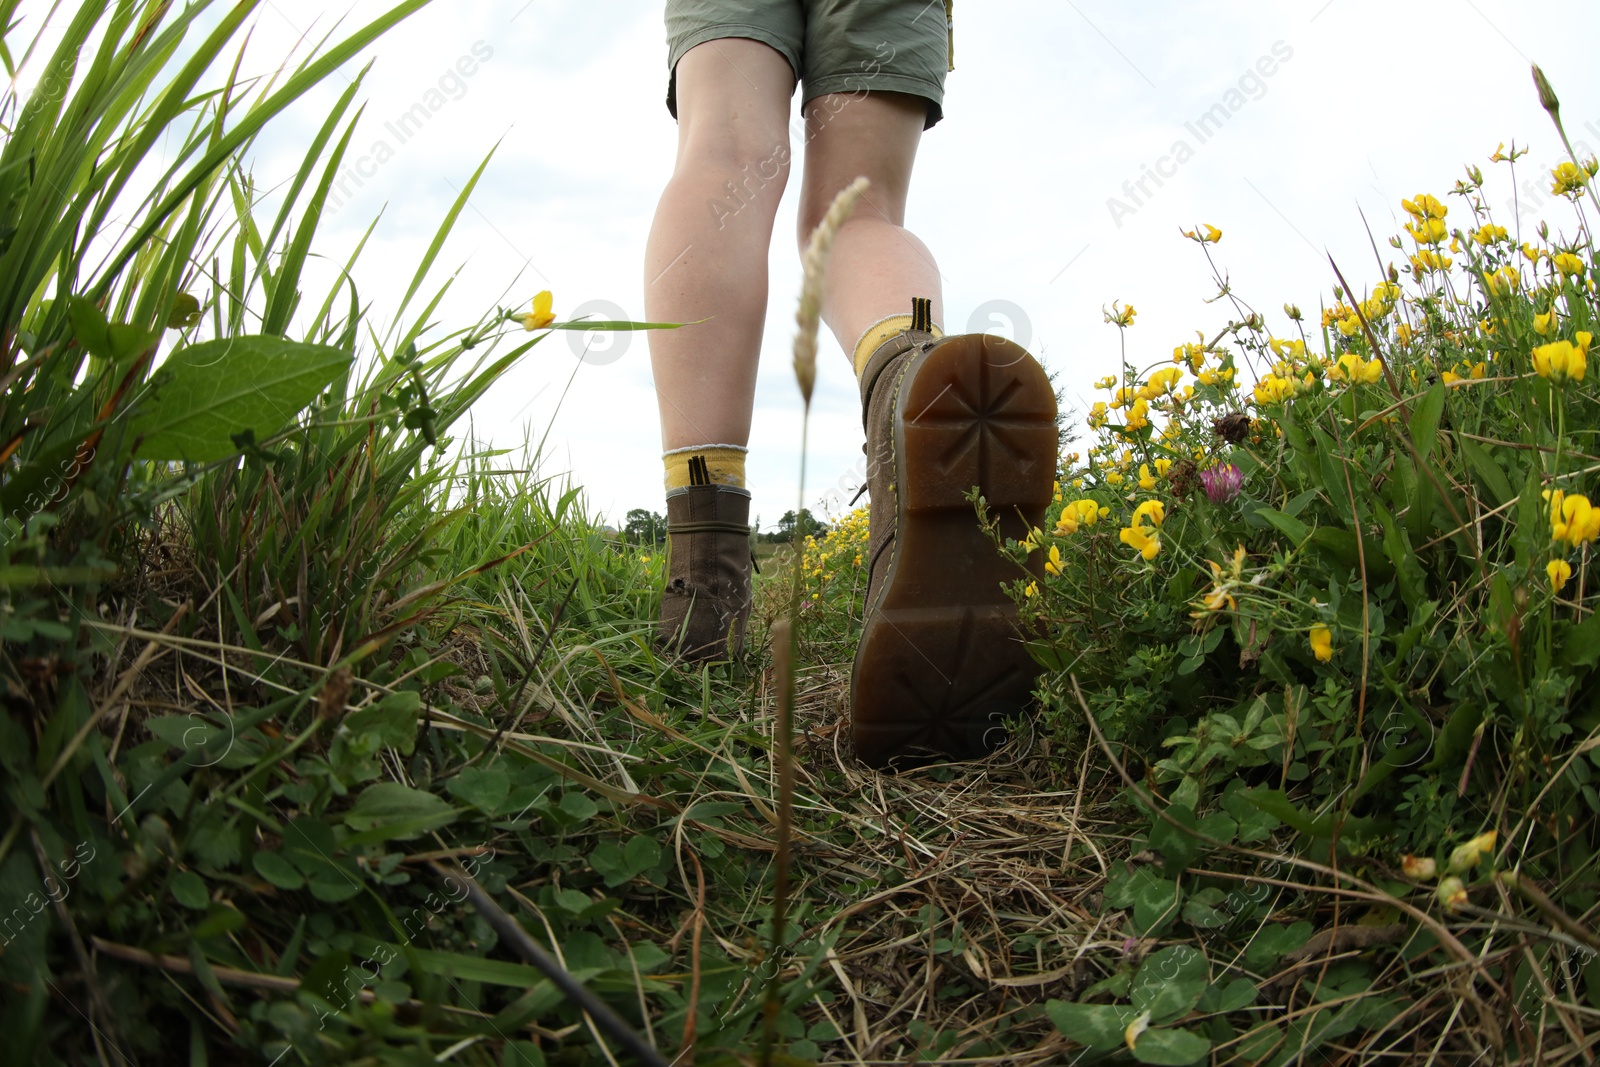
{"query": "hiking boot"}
pixel 941 660
pixel 706 603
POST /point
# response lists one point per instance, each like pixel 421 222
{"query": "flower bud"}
pixel 1451 893
pixel 1417 868
pixel 1467 856
pixel 1547 95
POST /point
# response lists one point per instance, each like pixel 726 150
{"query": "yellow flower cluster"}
pixel 1568 264
pixel 1569 179
pixel 1489 234
pixel 842 547
pixel 1222 585
pixel 1573 519
pixel 1146 540
pixel 1274 389
pixel 1191 353
pixel 1119 315
pixel 1502 282
pixel 1427 260
pixel 1078 514
pixel 1463 370
pixel 1563 361
pixel 1352 368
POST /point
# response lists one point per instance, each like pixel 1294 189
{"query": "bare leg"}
pixel 877 264
pixel 707 253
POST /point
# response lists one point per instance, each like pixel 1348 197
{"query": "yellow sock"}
pixel 878 333
pixel 705 465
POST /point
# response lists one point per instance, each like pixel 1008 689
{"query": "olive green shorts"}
pixel 833 46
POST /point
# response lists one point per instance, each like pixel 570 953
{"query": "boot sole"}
pixel 941 661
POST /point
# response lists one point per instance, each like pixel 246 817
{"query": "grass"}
pixel 299 711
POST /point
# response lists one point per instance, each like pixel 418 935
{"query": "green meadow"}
pixel 330 737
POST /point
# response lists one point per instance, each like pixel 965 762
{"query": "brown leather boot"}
pixel 706 603
pixel 941 661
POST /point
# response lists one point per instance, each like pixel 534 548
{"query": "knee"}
pixel 749 164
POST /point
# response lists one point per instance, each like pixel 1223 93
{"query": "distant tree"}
pixel 797 527
pixel 644 527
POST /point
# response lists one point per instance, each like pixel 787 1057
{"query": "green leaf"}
pixel 485 788
pixel 277 870
pixel 333 886
pixel 189 889
pixel 1290 527
pixel 1170 983
pixel 392 720
pixel 1273 940
pixel 578 807
pixel 1238 994
pixel 1175 843
pixel 1201 909
pixel 1174 1048
pixel 1425 418
pixel 1488 471
pixel 1098 1026
pixel 389 810
pixel 1580 646
pixel 206 394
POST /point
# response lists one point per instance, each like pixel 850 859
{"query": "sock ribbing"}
pixel 880 332
pixel 704 465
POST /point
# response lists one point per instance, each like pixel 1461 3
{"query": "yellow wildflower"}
pixel 1138 415
pixel 1569 180
pixel 1467 856
pixel 541 315
pixel 1108 382
pixel 1530 253
pixel 1427 260
pixel 1567 263
pixel 1163 465
pixel 1291 350
pixel 1032 590
pixel 1572 518
pixel 1322 643
pixel 1154 510
pixel 1544 324
pixel 1146 540
pixel 1192 354
pixel 1274 390
pixel 1352 368
pixel 1427 231
pixel 1503 281
pixel 1147 481
pixel 1451 893
pixel 1489 233
pixel 1210 235
pixel 1120 316
pixel 1097 415
pixel 1114 478
pixel 1559 571
pixel 1425 206
pixel 1054 565
pixel 1561 360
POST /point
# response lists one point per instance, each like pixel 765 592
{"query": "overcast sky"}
pixel 1052 108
